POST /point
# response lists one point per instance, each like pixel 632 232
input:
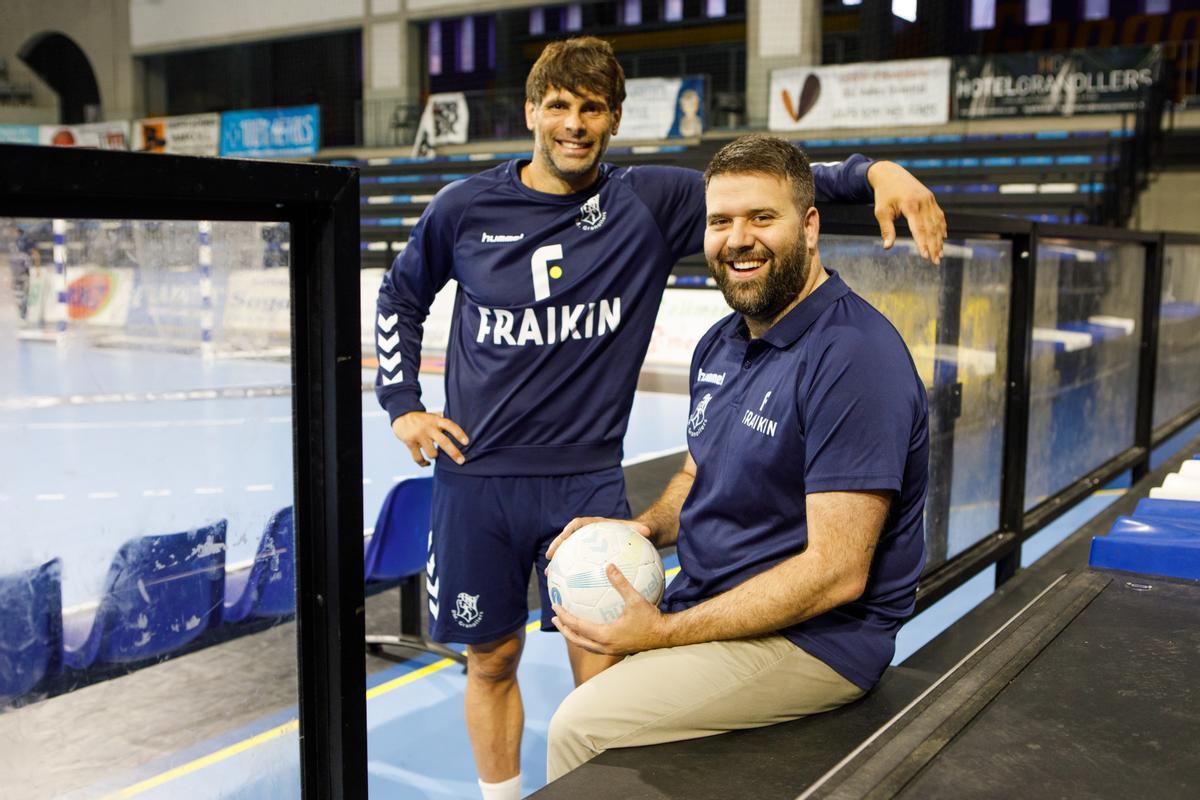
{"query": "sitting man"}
pixel 798 512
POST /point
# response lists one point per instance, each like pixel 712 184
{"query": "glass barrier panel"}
pixel 1084 360
pixel 1177 384
pixel 147 575
pixel 954 319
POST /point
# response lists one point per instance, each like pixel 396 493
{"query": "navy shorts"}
pixel 489 532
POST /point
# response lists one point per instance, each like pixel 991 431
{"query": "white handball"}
pixel 576 578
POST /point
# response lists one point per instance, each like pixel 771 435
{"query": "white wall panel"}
pixel 385 55
pixel 155 23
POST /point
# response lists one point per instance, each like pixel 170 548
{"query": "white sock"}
pixel 504 790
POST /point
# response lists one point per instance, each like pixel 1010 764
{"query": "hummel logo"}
pixel 502 237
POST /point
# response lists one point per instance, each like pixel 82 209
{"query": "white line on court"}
pixel 49 497
pixel 156 493
pixel 209 490
pixel 279 420
pixel 261 487
pixel 183 423
pixel 672 451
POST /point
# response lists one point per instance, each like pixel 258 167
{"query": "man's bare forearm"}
pixel 662 518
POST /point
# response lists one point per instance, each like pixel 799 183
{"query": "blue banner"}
pixel 275 132
pixel 18 134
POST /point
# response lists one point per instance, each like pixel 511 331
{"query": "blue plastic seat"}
pixel 1186 509
pixel 1151 546
pixel 161 593
pixel 267 588
pixel 398 550
pixel 30 629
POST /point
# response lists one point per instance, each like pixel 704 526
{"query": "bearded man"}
pixel 798 512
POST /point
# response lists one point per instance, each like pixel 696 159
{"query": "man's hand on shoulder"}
pixel 423 433
pixel 898 193
pixel 641 625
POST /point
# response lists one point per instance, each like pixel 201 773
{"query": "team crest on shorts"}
pixel 590 215
pixel 697 421
pixel 466 610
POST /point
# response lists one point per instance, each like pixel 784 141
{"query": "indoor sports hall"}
pixel 216 569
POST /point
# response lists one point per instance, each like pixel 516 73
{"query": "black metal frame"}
pixel 321 204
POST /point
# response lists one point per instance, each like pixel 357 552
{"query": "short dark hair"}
pixel 583 63
pixel 766 155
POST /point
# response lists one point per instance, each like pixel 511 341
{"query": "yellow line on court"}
pixel 288 727
pixel 208 760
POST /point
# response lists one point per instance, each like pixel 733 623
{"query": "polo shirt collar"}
pixel 799 319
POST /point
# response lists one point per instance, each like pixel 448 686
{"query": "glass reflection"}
pixel 1177 386
pixel 1084 360
pixel 147 581
pixel 954 319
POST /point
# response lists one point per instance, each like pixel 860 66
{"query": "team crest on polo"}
pixel 590 215
pixel 466 610
pixel 698 420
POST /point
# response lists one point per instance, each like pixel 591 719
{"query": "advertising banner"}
pixel 271 132
pixel 18 134
pixel 1063 83
pixel 683 317
pixel 191 135
pixel 104 135
pixel 260 301
pixel 868 95
pixel 95 296
pixel 445 120
pixel 662 108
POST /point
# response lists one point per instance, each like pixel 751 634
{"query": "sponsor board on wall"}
pixel 1062 83
pixel 96 296
pixel 258 301
pixel 271 132
pixel 445 120
pixel 662 108
pixel 104 135
pixel 868 95
pixel 190 135
pixel 18 134
pixel 683 317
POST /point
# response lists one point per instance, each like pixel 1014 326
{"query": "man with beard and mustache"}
pixel 798 513
pixel 561 262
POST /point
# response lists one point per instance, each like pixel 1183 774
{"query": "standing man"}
pixel 561 262
pixel 798 513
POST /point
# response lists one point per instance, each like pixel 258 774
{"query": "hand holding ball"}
pixel 576 578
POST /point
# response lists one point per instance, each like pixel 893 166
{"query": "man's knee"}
pixel 572 738
pixel 495 662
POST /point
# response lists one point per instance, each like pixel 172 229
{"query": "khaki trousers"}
pixel 688 692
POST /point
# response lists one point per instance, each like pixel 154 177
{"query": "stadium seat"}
pixel 30 629
pixel 267 588
pixel 1152 546
pixel 397 550
pixel 161 593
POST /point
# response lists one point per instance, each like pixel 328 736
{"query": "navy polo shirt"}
pixel 828 399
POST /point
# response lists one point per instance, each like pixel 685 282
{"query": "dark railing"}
pixel 1137 155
